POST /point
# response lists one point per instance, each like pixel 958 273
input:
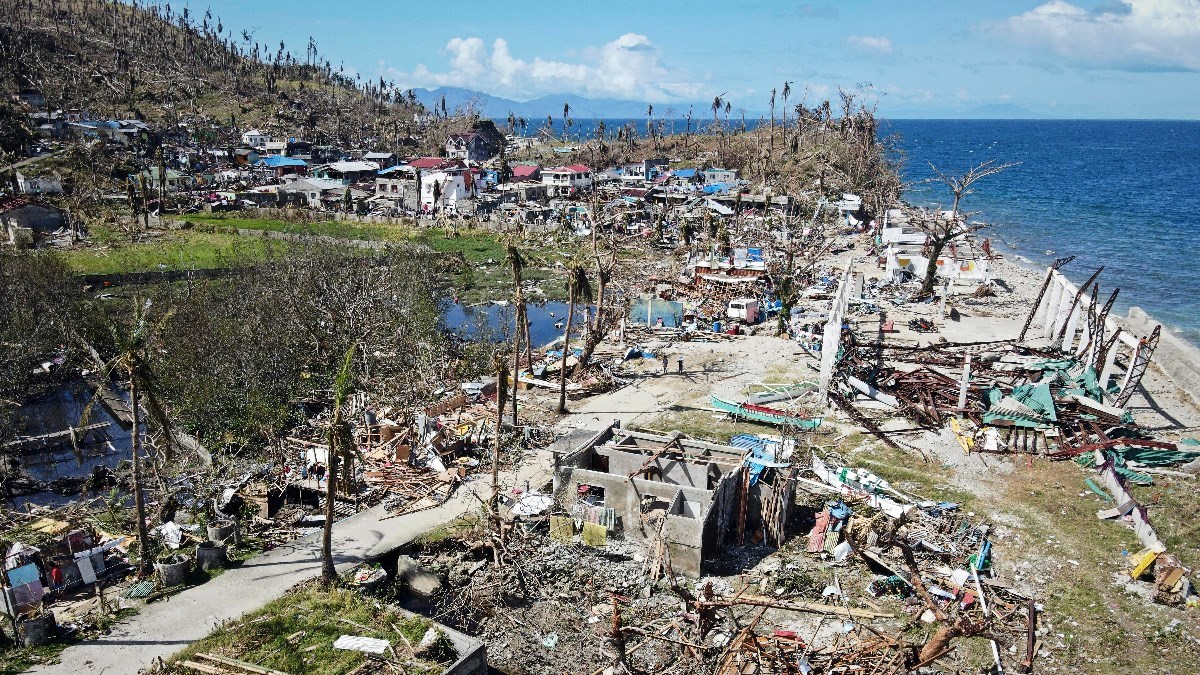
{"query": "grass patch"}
pixel 319 617
pixel 212 242
pixel 1101 628
pixel 707 425
pixel 478 247
pixel 183 250
pixel 906 472
pixel 1175 512
pixel 447 531
pixel 327 228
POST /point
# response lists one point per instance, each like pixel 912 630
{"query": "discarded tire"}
pixel 173 570
pixel 37 631
pixel 210 556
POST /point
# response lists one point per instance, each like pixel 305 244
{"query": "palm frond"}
pixel 341 384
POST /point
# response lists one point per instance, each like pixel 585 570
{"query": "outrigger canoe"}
pixel 768 393
pixel 761 413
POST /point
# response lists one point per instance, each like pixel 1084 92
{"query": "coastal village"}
pixel 465 397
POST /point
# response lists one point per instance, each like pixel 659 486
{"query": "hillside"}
pixel 120 60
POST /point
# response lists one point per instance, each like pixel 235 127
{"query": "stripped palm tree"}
pixel 340 443
pixel 787 92
pixel 133 361
pixel 578 288
pixel 604 268
pixel 517 262
pixel 650 125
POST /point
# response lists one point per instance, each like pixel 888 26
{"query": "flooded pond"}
pixel 496 320
pixel 57 461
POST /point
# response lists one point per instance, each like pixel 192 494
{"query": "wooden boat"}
pixel 761 413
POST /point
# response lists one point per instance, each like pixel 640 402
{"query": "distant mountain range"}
pixel 583 108
pixel 532 110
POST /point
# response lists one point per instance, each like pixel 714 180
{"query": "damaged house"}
pixel 684 498
pixel 22 220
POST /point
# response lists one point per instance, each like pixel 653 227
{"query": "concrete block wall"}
pixel 1180 360
pixel 684 473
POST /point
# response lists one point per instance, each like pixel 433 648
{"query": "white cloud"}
pixel 1133 35
pixel 877 45
pixel 629 67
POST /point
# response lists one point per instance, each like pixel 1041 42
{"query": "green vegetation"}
pixel 1104 628
pixel 212 242
pixel 448 531
pixel 314 619
pixel 325 228
pixel 1176 512
pixel 705 424
pixel 478 247
pixel 906 472
pixel 182 250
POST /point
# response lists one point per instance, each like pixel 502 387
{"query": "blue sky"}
pixel 1054 58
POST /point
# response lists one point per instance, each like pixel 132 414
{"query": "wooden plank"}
pixel 211 670
pixel 69 432
pixel 259 670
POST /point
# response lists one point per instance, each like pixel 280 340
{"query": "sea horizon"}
pixel 1108 191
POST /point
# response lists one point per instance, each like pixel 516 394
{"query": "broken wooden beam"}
pixel 796 606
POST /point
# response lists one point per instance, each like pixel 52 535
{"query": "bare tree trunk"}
pixel 562 371
pixel 596 330
pixel 936 246
pixel 501 388
pixel 516 370
pixel 939 642
pixel 328 572
pixel 139 501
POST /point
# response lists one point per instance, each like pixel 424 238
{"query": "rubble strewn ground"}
pixel 784 468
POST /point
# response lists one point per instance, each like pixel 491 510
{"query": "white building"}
pixel 255 138
pixel 453 187
pixel 314 190
pixel 567 180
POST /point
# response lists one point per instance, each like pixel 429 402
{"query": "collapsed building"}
pixel 684 498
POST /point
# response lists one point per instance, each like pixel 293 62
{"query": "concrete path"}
pixel 164 627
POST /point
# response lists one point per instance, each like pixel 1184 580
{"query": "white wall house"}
pixel 255 138
pixel 314 190
pixel 567 180
pixel 454 189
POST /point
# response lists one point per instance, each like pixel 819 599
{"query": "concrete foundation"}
pixel 690 491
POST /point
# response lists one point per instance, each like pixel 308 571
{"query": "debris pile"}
pixel 1069 400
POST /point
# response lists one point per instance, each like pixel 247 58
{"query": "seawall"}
pixel 1179 359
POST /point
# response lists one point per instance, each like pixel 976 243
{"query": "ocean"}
pixel 1122 194
pixel 1119 193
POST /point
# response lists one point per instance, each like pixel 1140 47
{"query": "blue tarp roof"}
pixel 684 173
pixel 275 161
pixel 762 453
pixel 715 188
